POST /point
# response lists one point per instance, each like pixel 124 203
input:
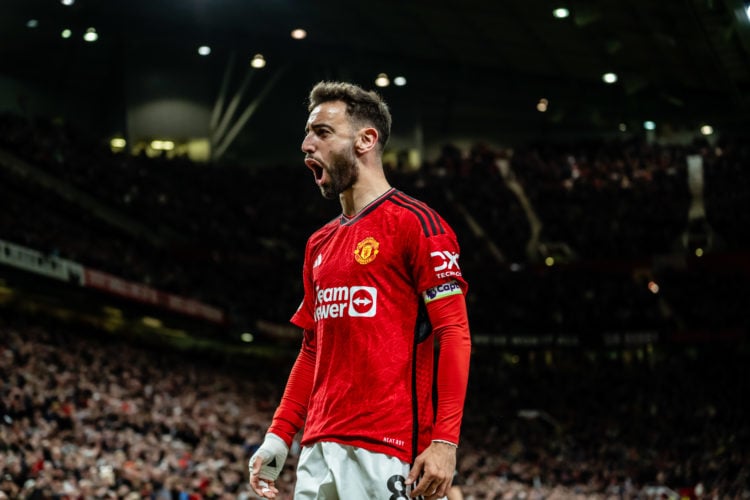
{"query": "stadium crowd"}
pixel 86 415
pixel 89 417
pixel 224 229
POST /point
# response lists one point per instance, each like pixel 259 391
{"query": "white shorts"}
pixel 333 471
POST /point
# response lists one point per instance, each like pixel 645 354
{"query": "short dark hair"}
pixel 362 106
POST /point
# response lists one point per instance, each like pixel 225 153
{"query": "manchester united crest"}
pixel 366 250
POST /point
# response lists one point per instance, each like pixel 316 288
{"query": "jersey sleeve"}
pixel 304 317
pixel 451 328
pixel 438 278
pixel 290 415
pixel 292 411
pixel 436 255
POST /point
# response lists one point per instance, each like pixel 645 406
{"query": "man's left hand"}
pixel 433 471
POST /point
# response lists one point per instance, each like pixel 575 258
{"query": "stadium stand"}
pixel 617 369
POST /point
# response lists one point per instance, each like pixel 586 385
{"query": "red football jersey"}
pixel 365 280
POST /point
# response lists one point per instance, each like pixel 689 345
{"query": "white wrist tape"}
pixel 273 454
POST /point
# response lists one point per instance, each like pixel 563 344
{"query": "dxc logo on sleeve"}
pixel 446 263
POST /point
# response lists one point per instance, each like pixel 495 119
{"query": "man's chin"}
pixel 328 193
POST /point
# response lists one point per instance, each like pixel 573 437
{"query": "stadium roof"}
pixel 472 68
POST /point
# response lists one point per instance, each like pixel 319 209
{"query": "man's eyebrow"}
pixel 315 126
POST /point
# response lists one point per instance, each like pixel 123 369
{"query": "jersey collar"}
pixel 347 221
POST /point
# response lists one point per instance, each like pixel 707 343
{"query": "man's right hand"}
pixel 266 464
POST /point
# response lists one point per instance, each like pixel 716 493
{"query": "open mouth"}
pixel 316 167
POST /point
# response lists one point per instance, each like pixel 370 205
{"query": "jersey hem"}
pixel 371 446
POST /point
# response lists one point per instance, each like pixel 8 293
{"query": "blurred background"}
pixel 593 158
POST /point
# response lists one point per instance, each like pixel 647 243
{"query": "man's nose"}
pixel 307 145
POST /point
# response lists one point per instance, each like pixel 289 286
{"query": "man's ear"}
pixel 367 139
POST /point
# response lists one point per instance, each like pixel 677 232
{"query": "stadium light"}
pixel 399 81
pixel 91 35
pixel 204 50
pixel 609 77
pixel 382 80
pixel 649 125
pixel 747 11
pixel 299 34
pixel 162 145
pixel 561 13
pixel 66 33
pixel 258 61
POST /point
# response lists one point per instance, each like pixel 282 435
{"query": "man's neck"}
pixel 354 199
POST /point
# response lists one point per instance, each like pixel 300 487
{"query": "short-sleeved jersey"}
pixel 364 280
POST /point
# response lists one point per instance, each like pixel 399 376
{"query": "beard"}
pixel 343 173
